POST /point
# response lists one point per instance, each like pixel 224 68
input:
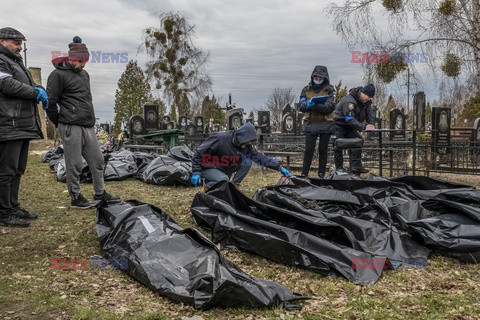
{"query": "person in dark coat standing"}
pixel 318 118
pixel 68 87
pixel 353 114
pixel 19 123
pixel 229 153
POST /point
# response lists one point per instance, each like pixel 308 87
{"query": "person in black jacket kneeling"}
pixel 353 114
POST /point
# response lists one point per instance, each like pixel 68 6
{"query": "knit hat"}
pixel 10 33
pixel 369 90
pixel 78 51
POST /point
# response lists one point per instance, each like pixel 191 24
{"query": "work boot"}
pixel 360 169
pixel 105 198
pixel 24 214
pixel 79 202
pixel 12 220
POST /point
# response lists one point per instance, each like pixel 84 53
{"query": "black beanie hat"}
pixel 369 90
pixel 77 51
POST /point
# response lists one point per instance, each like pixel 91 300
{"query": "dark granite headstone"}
pixel 441 130
pixel 150 115
pixel 182 123
pixel 170 125
pixel 105 127
pixel 398 125
pixel 476 132
pixel 199 125
pixel 289 125
pixel 235 118
pixel 419 109
pixel 190 130
pixel 136 125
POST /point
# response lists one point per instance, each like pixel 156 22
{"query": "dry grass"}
pixel 30 289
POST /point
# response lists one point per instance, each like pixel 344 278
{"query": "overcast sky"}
pixel 255 45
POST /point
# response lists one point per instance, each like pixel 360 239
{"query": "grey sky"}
pixel 254 45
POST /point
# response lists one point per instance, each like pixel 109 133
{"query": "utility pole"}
pixel 25 53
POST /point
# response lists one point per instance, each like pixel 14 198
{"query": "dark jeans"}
pixel 310 142
pixel 347 132
pixel 13 162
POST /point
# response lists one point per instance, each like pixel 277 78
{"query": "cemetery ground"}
pixel 31 289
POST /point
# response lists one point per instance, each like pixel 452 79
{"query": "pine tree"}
pixel 133 91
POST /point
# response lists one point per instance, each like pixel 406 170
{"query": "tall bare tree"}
pixel 446 29
pixel 276 101
pixel 176 65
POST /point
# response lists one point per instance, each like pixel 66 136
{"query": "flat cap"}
pixel 10 33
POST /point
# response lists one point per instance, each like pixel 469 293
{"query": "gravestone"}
pixel 150 115
pixel 105 127
pixel 289 125
pixel 170 125
pixel 182 123
pixel 190 131
pixel 397 125
pixel 419 109
pixel 199 124
pixel 136 125
pixel 216 128
pixel 235 118
pixel 165 120
pixel 476 128
pixel 441 130
pixel 264 121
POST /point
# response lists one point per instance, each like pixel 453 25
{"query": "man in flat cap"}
pixel 353 114
pixel 71 111
pixel 19 123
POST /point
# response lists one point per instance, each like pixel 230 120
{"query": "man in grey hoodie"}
pixel 68 87
pixel 229 152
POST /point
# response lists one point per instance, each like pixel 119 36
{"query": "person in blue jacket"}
pixel 229 153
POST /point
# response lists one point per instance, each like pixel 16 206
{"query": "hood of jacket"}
pixel 246 133
pixel 320 71
pixel 62 64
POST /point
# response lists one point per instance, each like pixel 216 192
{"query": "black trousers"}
pixel 310 142
pixel 13 162
pixel 347 132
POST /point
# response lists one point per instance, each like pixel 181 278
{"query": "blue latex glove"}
pixel 285 172
pixel 348 118
pixel 41 95
pixel 310 104
pixel 196 179
pixel 303 99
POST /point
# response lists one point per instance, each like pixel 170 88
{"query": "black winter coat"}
pixel 19 118
pixel 70 89
pixel 351 106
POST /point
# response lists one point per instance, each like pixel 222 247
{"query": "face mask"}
pixel 317 82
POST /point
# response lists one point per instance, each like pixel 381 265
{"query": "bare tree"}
pixel 276 101
pixel 447 29
pixel 176 64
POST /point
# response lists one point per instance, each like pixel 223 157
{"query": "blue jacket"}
pixel 223 151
